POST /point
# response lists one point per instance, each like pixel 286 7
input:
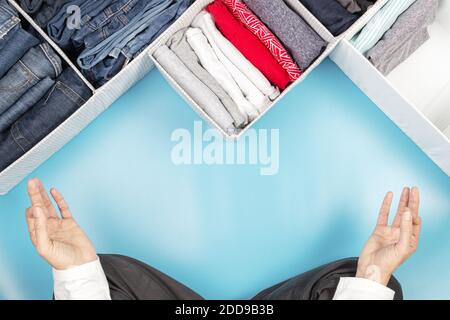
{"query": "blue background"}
pixel 226 231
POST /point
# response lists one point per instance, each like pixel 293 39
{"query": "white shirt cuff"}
pixel 85 282
pixel 362 289
pixel 86 270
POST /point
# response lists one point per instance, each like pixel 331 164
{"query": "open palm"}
pixel 390 245
pixel 59 240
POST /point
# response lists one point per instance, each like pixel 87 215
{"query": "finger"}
pixel 417 228
pixel 30 224
pixel 47 202
pixel 43 243
pixel 414 202
pixel 406 231
pixel 383 216
pixel 34 193
pixel 402 205
pixel 61 203
pixel 30 219
pixel 29 216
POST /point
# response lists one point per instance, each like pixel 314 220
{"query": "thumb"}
pixel 406 231
pixel 43 243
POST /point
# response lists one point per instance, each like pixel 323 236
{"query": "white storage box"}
pixel 102 98
pixel 416 95
pixel 187 19
pixel 425 117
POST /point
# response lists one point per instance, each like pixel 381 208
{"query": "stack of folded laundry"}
pixel 110 32
pixel 396 32
pixel 42 10
pixel 103 36
pixel 337 15
pixel 237 56
pixel 36 93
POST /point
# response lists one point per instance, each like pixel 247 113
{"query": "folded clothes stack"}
pixel 396 32
pixel 337 15
pixel 108 33
pixel 36 93
pixel 237 56
pixel 42 10
pixel 331 14
pixel 103 36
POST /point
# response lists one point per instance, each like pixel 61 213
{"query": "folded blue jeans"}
pixel 39 62
pixel 111 20
pixel 42 11
pixel 58 28
pixel 136 45
pixel 117 41
pixel 67 95
pixel 106 69
pixel 20 42
pixel 28 100
pixel 9 22
pixel 102 62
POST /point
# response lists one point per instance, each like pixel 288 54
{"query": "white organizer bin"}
pixel 416 95
pixel 101 99
pixel 422 120
pixel 186 21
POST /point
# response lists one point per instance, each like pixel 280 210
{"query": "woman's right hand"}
pixel 391 245
pixel 58 239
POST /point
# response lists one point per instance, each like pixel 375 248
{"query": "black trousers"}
pixel 130 279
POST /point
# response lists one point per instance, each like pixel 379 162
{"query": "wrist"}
pixel 374 273
pixel 84 258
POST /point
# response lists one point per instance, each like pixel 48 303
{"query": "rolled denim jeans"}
pixel 9 22
pixel 113 44
pixel 111 20
pixel 104 60
pixel 110 66
pixel 28 100
pixel 57 27
pixel 135 46
pixel 103 71
pixel 39 62
pixel 15 48
pixel 67 95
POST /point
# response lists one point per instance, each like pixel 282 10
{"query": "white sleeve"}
pixel 85 282
pixel 362 289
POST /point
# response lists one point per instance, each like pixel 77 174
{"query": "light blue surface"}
pixel 226 231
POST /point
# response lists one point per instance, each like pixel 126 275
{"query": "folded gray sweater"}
pixel 183 50
pixel 196 89
pixel 406 35
pixel 304 44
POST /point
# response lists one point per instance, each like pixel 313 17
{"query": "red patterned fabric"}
pixel 251 21
pixel 248 44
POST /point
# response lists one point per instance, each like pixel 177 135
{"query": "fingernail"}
pixel 407 215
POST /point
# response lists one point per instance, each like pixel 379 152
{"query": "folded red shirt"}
pixel 248 44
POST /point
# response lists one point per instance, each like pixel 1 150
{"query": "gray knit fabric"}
pixel 406 36
pixel 407 48
pixel 183 50
pixel 196 89
pixel 351 5
pixel 304 44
